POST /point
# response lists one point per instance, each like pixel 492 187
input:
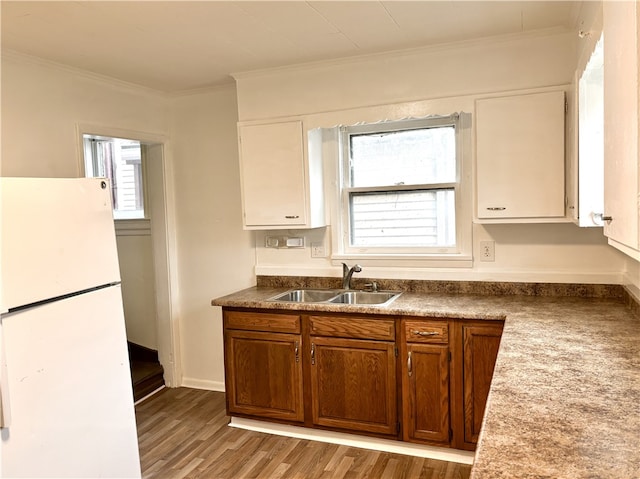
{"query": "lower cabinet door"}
pixel 353 385
pixel 425 385
pixel 264 374
pixel 480 349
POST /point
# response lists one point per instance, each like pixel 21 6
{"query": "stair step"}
pixel 141 353
pixel 146 377
pixel 147 374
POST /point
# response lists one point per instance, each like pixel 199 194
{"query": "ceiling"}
pixel 178 46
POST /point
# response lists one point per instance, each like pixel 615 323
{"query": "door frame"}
pixel 162 236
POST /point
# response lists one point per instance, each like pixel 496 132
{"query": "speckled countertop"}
pixel 565 395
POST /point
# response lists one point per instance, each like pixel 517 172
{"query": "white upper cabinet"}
pixel 279 183
pixel 621 171
pixel 520 158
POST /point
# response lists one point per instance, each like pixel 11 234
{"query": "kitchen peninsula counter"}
pixel 565 395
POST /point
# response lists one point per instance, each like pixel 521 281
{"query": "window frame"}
pixel 89 152
pixel 590 138
pixel 459 255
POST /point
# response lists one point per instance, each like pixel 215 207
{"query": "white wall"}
pixel 433 81
pixel 41 105
pixel 216 255
pixel 508 63
pixel 135 255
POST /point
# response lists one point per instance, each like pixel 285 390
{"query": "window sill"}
pixel 407 260
pixel 138 227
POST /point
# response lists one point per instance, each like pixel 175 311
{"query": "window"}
pixel 591 139
pixel 401 188
pixel 119 160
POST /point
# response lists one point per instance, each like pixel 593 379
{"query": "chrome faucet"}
pixel 347 273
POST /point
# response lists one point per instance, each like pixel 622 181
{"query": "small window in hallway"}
pixel 120 160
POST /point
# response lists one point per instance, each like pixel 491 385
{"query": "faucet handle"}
pixel 372 287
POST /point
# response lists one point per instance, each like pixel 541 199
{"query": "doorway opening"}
pixel 136 169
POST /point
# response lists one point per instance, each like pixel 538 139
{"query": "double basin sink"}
pixel 337 296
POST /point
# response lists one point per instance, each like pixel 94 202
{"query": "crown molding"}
pixel 407 52
pixel 230 84
pixel 20 57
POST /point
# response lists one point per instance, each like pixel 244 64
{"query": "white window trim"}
pixel 133 227
pixel 143 153
pixel 461 257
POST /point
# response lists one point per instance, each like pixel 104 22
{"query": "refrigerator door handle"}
pixel 5 410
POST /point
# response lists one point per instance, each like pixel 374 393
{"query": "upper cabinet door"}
pixel 273 176
pixel 621 152
pixel 282 179
pixel 520 151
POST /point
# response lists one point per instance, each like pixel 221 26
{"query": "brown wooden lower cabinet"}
pixel 340 371
pixel 426 394
pixel 352 370
pixel 263 370
pixel 480 345
pixel 353 384
pixel 425 381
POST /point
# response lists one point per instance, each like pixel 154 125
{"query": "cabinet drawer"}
pixel 433 332
pixel 348 327
pixel 280 323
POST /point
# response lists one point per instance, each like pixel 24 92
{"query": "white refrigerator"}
pixel 66 406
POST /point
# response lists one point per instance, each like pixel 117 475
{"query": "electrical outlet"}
pixel 487 250
pixel 272 242
pixel 317 250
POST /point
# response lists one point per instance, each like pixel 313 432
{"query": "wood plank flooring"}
pixel 183 433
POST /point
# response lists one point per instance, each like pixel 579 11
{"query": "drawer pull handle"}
pixel 313 354
pixel 409 365
pixel 297 350
pixel 424 333
pixel 292 217
pixel 496 208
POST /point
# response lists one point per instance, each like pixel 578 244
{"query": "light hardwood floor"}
pixel 183 433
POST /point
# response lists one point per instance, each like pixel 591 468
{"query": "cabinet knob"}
pixel 603 217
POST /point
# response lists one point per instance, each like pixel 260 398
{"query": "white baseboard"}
pixel 148 395
pixel 202 384
pixel 352 440
pixel 633 290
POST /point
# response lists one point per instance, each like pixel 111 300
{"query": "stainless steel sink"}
pixel 377 298
pixel 306 296
pixel 366 297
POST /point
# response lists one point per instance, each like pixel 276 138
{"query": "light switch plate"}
pixel 296 242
